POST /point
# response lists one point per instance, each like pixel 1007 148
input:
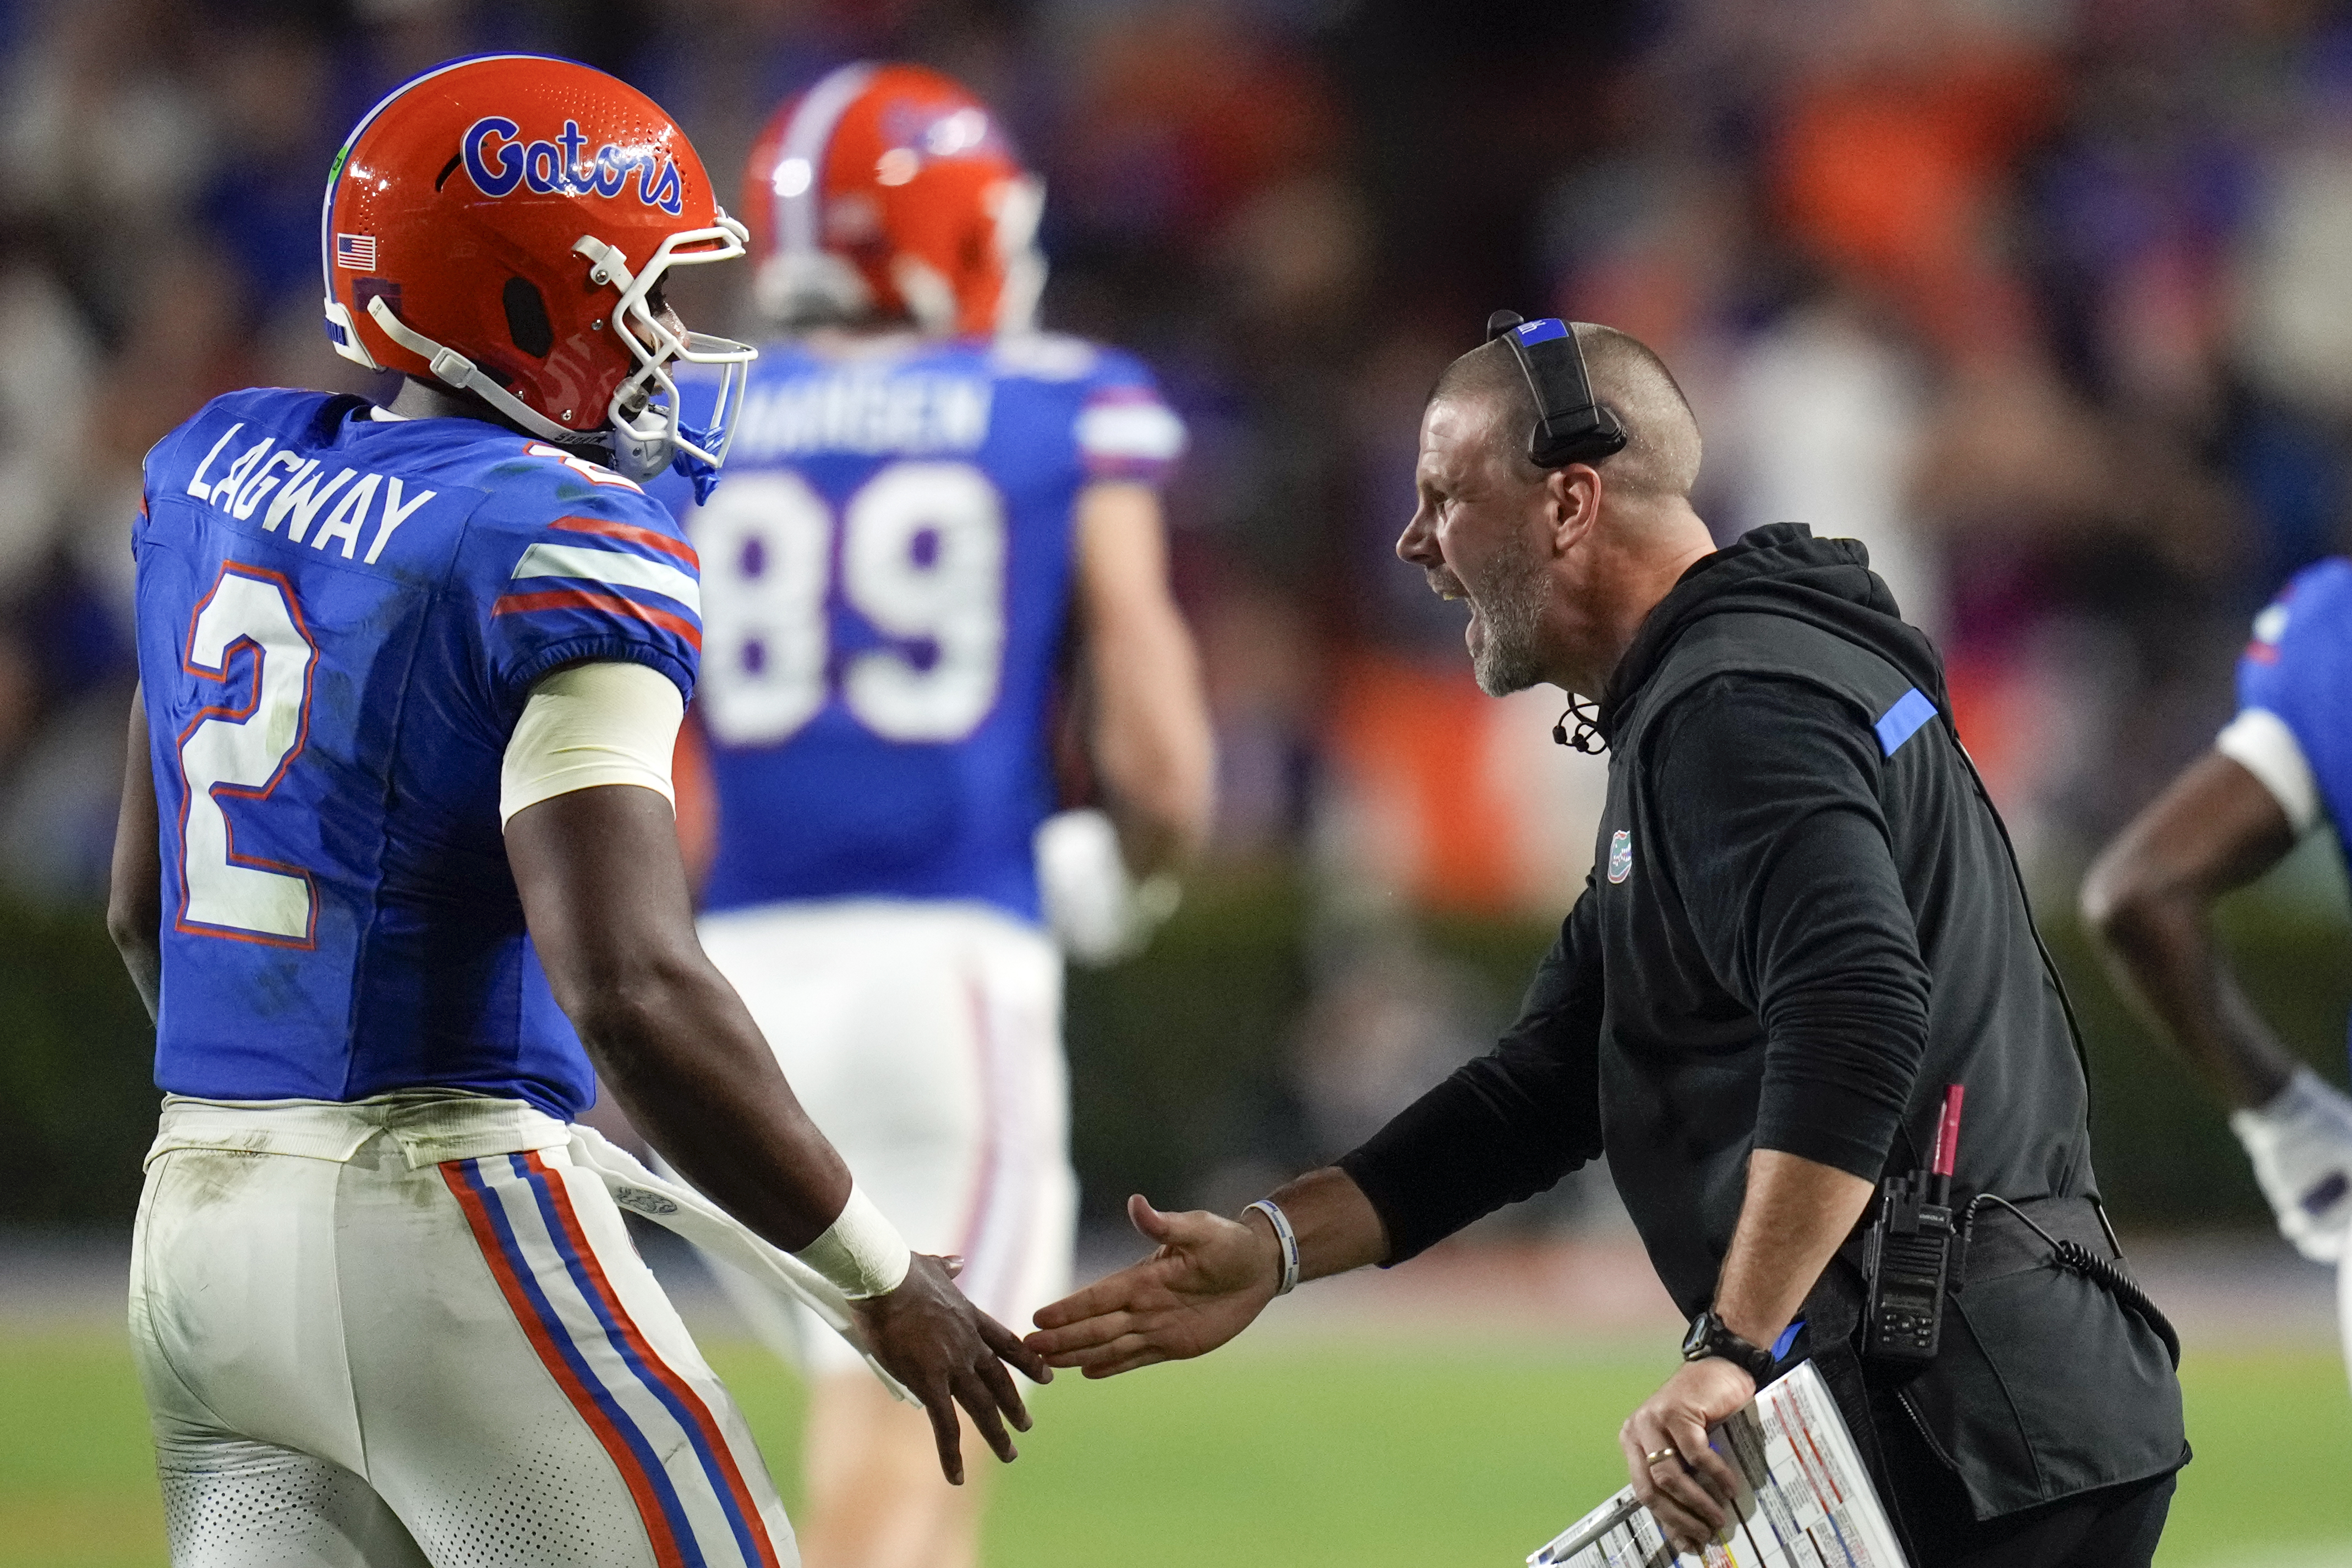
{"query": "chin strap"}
pixel 702 473
pixel 455 370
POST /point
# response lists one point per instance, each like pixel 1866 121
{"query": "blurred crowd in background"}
pixel 2048 301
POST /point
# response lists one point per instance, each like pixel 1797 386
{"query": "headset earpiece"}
pixel 1571 426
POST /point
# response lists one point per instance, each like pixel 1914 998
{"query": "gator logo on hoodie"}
pixel 1621 855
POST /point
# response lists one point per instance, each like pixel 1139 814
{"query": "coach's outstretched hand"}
pixel 949 1353
pixel 1209 1281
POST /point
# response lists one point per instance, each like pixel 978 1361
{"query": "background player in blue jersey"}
pixel 928 509
pixel 2279 770
pixel 395 821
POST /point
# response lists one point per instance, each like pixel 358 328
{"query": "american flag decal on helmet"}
pixel 356 252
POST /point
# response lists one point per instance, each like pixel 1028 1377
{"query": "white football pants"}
pixel 2344 1309
pixel 366 1343
pixel 926 1040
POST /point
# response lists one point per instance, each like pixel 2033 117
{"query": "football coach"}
pixel 1803 924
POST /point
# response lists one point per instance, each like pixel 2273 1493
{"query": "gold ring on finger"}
pixel 1661 1457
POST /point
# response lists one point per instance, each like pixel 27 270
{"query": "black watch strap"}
pixel 1707 1337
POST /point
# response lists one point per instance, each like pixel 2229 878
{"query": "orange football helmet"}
pixel 502 224
pixel 889 190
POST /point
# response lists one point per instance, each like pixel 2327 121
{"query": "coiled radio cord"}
pixel 2074 1255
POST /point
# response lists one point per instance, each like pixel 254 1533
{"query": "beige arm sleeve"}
pixel 586 725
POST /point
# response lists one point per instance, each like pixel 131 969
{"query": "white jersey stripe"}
pixel 1141 430
pixel 613 569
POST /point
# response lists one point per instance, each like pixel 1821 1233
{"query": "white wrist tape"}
pixel 861 1253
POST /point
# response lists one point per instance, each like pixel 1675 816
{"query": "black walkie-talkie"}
pixel 1906 1256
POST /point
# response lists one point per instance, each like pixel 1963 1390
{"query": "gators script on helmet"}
pixel 503 224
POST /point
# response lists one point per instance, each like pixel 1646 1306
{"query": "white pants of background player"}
pixel 925 1040
pixel 410 1331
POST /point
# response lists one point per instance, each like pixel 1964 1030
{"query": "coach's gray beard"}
pixel 1511 599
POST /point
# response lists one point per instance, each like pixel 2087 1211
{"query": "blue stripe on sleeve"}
pixel 1901 722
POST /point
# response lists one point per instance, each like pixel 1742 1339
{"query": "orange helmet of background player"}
pixel 502 224
pixel 887 191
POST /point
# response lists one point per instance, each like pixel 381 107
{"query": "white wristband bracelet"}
pixel 1286 1238
pixel 861 1253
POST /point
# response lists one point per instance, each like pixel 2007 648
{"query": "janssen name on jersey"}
pixel 340 617
pixel 886 582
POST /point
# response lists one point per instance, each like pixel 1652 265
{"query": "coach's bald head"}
pixel 1661 453
pixel 1559 565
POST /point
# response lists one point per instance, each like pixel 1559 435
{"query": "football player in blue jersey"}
pixel 930 513
pixel 2276 772
pixel 396 844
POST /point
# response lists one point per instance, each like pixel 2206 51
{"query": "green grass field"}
pixel 1362 1453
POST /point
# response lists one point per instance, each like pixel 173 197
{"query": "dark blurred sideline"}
pixel 1182 1081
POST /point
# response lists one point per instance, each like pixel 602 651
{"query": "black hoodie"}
pixel 1803 922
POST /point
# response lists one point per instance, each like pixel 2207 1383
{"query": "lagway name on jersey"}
pixel 866 412
pixel 297 489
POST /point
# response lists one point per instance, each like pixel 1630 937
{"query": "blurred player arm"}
pixel 604 892
pixel 1503 1127
pixel 134 900
pixel 2149 898
pixel 1146 720
pixel 2232 815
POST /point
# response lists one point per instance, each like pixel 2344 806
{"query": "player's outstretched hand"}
pixel 949 1353
pixel 1209 1281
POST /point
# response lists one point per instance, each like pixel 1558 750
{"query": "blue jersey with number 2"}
pixel 887 575
pixel 340 617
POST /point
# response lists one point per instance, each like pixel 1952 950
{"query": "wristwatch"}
pixel 1708 1337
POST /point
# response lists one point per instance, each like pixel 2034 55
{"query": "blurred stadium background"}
pixel 2049 301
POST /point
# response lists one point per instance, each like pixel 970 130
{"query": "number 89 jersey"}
pixel 340 617
pixel 886 573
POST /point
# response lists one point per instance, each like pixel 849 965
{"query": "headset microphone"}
pixel 1570 427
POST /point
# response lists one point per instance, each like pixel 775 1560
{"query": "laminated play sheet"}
pixel 1808 1501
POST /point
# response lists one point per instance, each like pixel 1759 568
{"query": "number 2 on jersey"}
pixel 922 561
pixel 228 752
